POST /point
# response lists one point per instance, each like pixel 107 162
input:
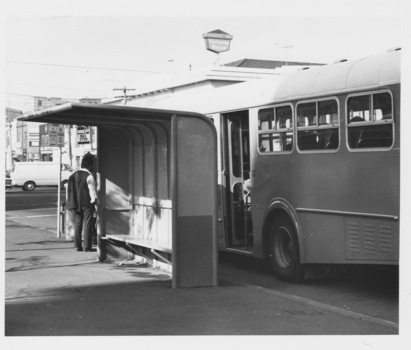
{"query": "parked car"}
pixel 8 180
pixel 29 175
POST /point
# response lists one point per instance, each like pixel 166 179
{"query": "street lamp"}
pixel 217 41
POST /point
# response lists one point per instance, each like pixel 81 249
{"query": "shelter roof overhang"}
pixel 100 114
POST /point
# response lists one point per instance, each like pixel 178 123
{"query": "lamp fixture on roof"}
pixel 217 41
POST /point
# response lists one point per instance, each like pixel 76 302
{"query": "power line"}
pixel 15 97
pixel 55 86
pixel 38 18
pixel 84 67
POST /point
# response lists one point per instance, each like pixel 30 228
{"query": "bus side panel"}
pixel 258 216
pixel 349 239
pixel 323 237
pixel 371 239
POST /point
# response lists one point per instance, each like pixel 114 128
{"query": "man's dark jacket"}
pixel 78 195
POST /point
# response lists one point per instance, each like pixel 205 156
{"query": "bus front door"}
pixel 237 180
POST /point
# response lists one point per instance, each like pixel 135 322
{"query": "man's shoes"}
pixel 79 249
pixel 90 250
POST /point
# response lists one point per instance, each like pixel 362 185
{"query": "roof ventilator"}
pixel 341 60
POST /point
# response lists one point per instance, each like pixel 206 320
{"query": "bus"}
pixel 309 164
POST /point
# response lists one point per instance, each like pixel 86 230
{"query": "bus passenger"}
pixel 82 199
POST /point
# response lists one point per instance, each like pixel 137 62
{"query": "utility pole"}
pixel 69 146
pixel 124 89
pixel 10 146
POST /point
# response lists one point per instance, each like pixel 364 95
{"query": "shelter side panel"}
pixel 194 268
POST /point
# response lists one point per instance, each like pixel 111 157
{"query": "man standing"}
pixel 82 199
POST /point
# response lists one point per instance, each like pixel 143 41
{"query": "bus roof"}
pixel 355 75
pixel 369 72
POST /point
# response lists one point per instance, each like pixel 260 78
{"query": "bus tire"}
pixel 284 250
pixel 29 186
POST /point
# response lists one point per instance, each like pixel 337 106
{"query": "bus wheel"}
pixel 283 250
pixel 29 186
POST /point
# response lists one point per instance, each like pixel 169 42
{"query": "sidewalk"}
pixel 53 290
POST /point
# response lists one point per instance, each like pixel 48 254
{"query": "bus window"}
pixel 359 109
pixel 382 106
pixel 370 125
pixel 307 114
pixel 317 125
pixel 275 129
pixel 328 113
pixel 265 119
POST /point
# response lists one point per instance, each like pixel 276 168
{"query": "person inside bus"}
pixel 247 190
pixel 82 200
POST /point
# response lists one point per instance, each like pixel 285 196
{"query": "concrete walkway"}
pixel 53 290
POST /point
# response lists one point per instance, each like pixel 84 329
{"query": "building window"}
pixel 275 129
pixel 317 125
pixel 370 121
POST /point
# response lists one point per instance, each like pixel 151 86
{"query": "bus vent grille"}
pixel 368 239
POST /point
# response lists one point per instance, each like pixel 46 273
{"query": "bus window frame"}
pixel 370 93
pixel 318 127
pixel 277 131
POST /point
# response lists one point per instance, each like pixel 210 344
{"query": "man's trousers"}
pixel 83 218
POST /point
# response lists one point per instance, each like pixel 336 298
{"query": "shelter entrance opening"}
pixel 237 180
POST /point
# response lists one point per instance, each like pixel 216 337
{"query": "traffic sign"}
pixel 56 135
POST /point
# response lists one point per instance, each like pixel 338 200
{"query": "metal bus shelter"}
pixel 156 183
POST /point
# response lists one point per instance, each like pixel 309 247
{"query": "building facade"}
pixel 26 141
pixel 148 92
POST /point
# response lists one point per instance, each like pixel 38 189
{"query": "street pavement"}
pixel 53 290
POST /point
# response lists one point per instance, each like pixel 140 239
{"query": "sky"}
pixel 68 53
